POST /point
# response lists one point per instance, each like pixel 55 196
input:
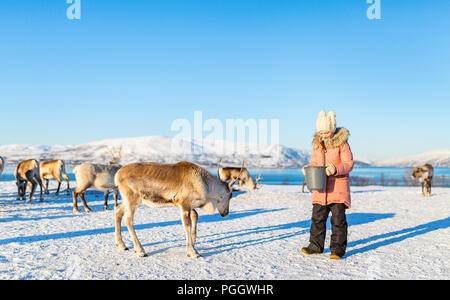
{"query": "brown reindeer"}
pixel 184 185
pixel 425 175
pixel 54 169
pixel 237 174
pixel 27 173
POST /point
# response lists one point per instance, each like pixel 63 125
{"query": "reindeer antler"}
pixel 258 178
pixel 230 184
pixel 113 152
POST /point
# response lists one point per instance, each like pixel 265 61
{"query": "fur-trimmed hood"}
pixel 340 137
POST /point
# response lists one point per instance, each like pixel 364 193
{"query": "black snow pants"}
pixel 339 227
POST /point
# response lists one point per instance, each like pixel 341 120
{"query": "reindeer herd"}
pixel 184 185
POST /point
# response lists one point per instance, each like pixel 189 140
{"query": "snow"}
pixel 394 233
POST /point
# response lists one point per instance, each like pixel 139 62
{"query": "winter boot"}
pixel 308 251
pixel 335 256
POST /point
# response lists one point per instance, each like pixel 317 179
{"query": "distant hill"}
pixel 437 158
pixel 203 152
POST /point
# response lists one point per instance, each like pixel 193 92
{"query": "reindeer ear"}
pixel 209 207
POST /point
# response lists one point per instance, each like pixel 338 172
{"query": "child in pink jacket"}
pixel 330 149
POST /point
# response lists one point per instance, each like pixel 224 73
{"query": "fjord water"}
pixel 293 176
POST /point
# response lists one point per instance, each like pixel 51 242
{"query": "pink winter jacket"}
pixel 337 152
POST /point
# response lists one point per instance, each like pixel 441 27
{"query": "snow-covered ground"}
pixel 394 233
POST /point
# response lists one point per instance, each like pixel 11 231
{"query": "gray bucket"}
pixel 316 179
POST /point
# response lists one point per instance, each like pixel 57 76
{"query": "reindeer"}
pixel 229 173
pixel 184 185
pixel 425 175
pixel 54 169
pixel 99 177
pixel 303 186
pixel 2 164
pixel 27 172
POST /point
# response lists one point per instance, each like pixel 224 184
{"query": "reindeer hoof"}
pixel 193 254
pixel 122 247
pixel 140 253
pixel 105 207
pixel 28 200
pixel 76 212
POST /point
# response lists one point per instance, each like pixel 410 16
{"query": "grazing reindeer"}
pixel 425 175
pixel 2 164
pixel 27 172
pixel 99 177
pixel 240 174
pixel 54 169
pixel 184 185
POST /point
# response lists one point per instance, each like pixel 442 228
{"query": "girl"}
pixel 330 149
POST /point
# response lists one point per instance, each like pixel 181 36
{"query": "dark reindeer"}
pixel 425 175
pixel 27 173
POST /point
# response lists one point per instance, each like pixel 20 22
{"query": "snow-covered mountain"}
pixel 437 158
pixel 165 150
pixel 204 152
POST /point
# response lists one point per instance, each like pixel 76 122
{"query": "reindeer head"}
pixel 416 173
pixel 223 203
pixel 116 155
pixel 22 186
pixel 257 179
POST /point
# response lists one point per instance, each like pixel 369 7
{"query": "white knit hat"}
pixel 326 123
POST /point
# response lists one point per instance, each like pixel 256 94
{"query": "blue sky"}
pixel 130 68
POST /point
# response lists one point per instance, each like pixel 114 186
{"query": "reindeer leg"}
pixel 32 189
pixel 105 205
pixel 29 185
pixel 129 215
pixel 115 195
pixel 86 207
pixel 75 204
pixel 46 185
pixel 118 215
pixel 194 220
pixel 39 181
pixel 59 186
pixel 423 193
pixel 186 219
pixel 66 178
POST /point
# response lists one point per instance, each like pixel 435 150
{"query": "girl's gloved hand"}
pixel 330 170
